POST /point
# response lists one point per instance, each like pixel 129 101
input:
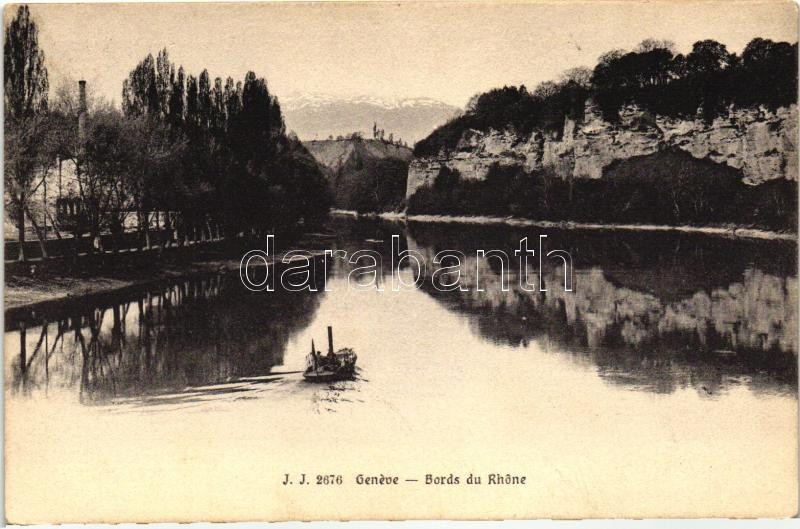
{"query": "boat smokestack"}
pixel 330 339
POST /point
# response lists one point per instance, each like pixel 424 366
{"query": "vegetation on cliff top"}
pixel 653 76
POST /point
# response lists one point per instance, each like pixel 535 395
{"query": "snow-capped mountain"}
pixel 318 116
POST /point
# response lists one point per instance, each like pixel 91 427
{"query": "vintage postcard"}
pixel 400 260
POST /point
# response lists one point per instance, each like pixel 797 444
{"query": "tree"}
pixel 192 105
pixel 768 74
pixel 579 75
pixel 64 143
pixel 708 84
pixel 139 91
pixel 545 89
pixel 218 110
pixel 204 103
pixel 708 56
pixel 26 82
pixel 27 160
pixel 163 82
pixel 177 101
pixel 648 45
pixel 621 78
pixel 107 154
pixel 25 98
pixel 150 177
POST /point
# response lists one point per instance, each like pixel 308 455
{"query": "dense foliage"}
pixel 669 188
pixel 510 108
pixel 708 79
pixel 378 185
pixel 239 166
pixel 367 175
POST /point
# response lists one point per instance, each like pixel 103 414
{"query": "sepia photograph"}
pixel 416 260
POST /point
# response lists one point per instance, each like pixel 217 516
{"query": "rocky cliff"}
pixel 364 175
pixel 761 143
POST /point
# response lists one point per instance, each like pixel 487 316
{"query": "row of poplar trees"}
pixel 235 163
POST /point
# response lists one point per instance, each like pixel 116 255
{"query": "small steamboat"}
pixel 339 365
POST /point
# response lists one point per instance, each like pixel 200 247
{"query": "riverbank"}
pixel 25 292
pixel 724 231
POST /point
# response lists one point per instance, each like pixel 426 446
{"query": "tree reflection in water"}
pixel 195 333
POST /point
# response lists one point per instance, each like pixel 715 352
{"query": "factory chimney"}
pixel 81 110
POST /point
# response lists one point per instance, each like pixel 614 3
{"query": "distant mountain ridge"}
pixel 314 116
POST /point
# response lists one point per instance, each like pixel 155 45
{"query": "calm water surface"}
pixel 674 355
pixel 650 312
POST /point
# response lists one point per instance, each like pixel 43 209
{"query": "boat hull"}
pixel 326 376
pixel 336 366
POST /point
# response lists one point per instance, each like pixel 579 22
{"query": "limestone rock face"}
pixel 761 143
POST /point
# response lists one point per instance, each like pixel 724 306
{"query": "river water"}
pixel 664 383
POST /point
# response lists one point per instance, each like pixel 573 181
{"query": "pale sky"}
pixel 446 50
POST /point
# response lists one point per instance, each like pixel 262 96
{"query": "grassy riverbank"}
pixel 725 231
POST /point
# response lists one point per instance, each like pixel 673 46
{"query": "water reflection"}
pixel 192 337
pixel 652 312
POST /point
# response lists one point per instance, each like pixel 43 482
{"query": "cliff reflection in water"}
pixel 198 332
pixel 652 311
